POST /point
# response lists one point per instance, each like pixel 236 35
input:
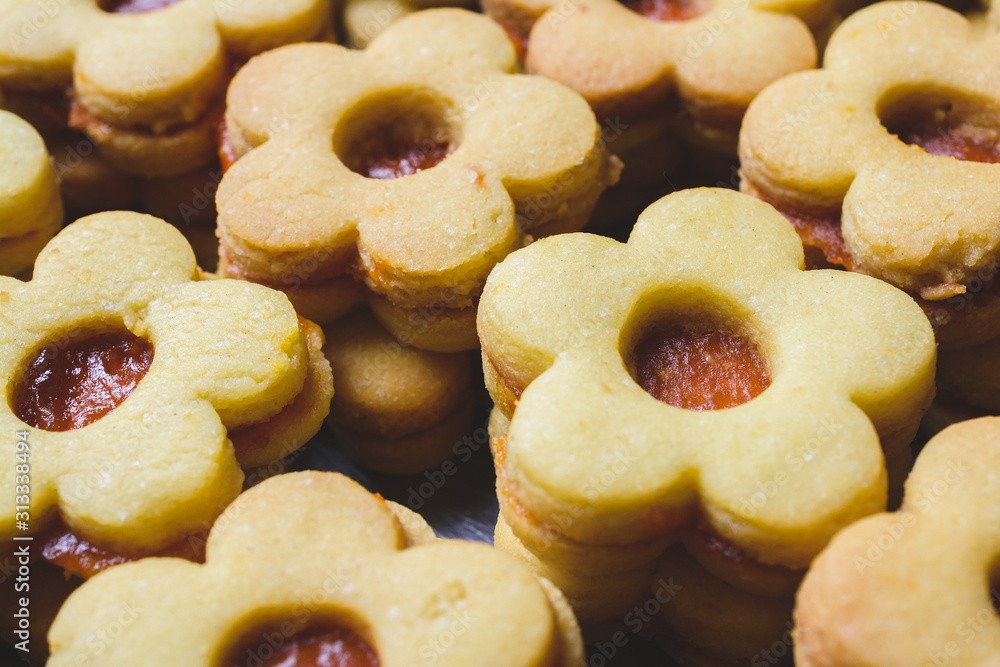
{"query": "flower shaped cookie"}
pixel 365 19
pixel 374 580
pixel 416 164
pixel 123 373
pixel 642 58
pixel 579 333
pixel 146 76
pixel 886 157
pixel 30 208
pixel 917 586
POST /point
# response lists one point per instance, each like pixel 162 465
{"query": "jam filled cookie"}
pixel 919 586
pixel 885 159
pixel 30 208
pixel 398 409
pixel 140 390
pixel 656 71
pixel 365 19
pixel 414 165
pixel 694 384
pixel 147 77
pixel 373 587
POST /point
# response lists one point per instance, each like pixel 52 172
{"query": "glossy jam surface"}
pixel 68 386
pixel 822 237
pixel 665 10
pixel 965 142
pixel 700 371
pixel 392 157
pixel 134 6
pixel 336 647
pixel 62 547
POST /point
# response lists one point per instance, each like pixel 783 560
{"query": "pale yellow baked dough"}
pixel 31 210
pixel 318 543
pixel 527 158
pixel 365 19
pixel 626 64
pixel 913 587
pixel 398 409
pixel 816 141
pixel 595 476
pixel 148 80
pixel 227 355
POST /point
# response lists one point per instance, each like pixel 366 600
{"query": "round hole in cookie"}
pixel 396 133
pixel 299 640
pixel 942 122
pixel 79 377
pixel 696 361
pixel 134 6
pixel 994 584
pixel 666 10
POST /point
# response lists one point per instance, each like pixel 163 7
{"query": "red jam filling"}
pixel 135 6
pixel 822 238
pixel 665 10
pixel 69 387
pixel 700 371
pixel 64 548
pixel 965 142
pixel 392 157
pixel 336 647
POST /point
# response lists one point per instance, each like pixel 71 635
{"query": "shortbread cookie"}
pixel 137 399
pixel 373 584
pixel 187 202
pixel 414 165
pixel 968 386
pixel 781 395
pixel 365 19
pixel 398 409
pixel 972 374
pixel 918 586
pixel 147 77
pixel 30 207
pixel 697 61
pixel 885 158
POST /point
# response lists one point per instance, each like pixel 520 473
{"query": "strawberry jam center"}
pixel 700 371
pixel 134 6
pixel 327 647
pixel 69 386
pixel 665 10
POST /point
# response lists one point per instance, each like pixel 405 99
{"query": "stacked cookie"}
pixel 889 167
pixel 664 77
pixel 693 410
pixel 275 591
pixel 145 91
pixel 31 211
pixel 397 177
pixel 684 423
